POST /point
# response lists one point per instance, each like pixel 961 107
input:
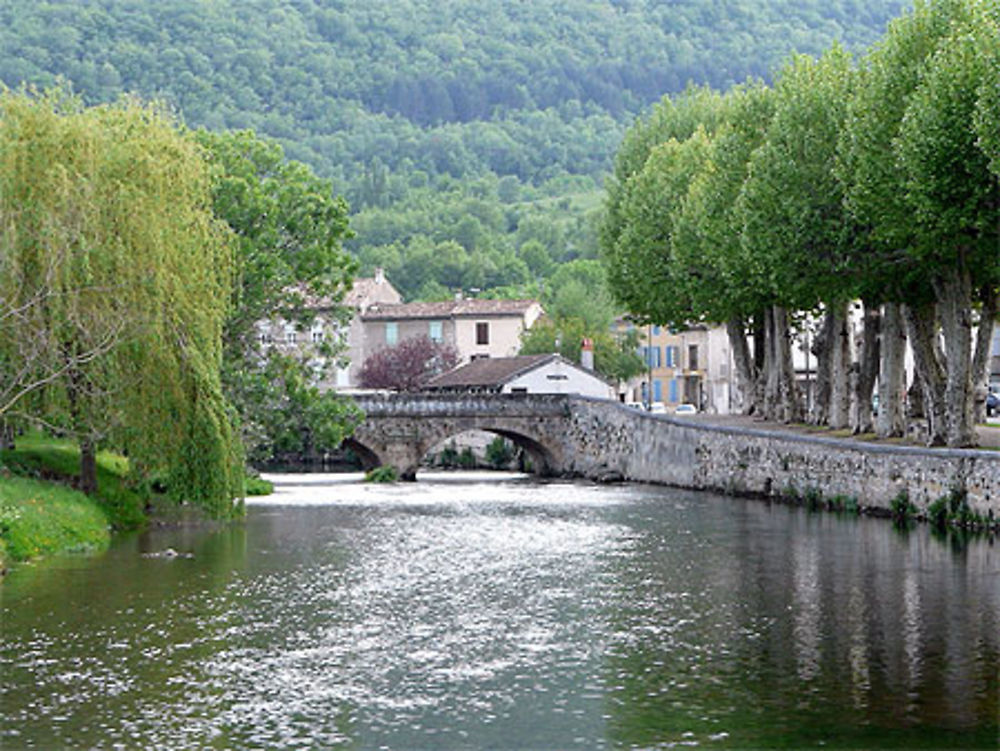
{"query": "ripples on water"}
pixel 462 612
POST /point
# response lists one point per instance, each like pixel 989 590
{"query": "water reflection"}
pixel 462 612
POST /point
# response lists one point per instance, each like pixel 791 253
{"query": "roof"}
pixel 449 309
pixel 363 287
pixel 490 371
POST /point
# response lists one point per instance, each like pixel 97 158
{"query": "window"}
pixel 673 357
pixel 318 335
pixel 290 336
pixel 482 333
pixel 673 389
pixel 557 377
pixel 693 357
pixel 652 357
pixel 391 333
pixel 657 390
pixel 436 332
pixel 656 330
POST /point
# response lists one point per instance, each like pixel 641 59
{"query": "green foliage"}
pixel 384 474
pixel 109 227
pixel 426 114
pixel 615 356
pixel 466 458
pixel 449 456
pixel 499 453
pixel 257 485
pixel 902 508
pixel 290 265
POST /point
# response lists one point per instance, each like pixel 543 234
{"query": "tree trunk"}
pixel 819 404
pixel 922 328
pixel 891 421
pixel 981 358
pixel 760 360
pixel 954 293
pixel 745 372
pixel 838 416
pixel 7 436
pixel 866 372
pixel 88 466
pixel 784 392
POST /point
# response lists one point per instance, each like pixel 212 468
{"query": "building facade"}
pixel 682 367
pixel 478 329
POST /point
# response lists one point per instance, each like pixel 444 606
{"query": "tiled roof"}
pixel 449 309
pixel 491 371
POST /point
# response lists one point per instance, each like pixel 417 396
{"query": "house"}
pixel 476 328
pixel 523 374
pixel 327 326
pixel 682 367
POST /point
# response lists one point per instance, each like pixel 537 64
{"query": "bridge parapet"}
pixel 460 405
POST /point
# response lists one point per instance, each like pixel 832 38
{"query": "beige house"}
pixel 682 367
pixel 476 328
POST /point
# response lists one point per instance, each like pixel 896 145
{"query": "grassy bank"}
pixel 39 518
pixel 41 514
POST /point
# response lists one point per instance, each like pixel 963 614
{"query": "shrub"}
pixel 499 453
pixel 382 474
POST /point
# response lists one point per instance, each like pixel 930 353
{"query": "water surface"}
pixel 466 612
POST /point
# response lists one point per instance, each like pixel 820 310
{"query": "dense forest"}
pixel 469 137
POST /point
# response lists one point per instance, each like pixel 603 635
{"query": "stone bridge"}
pixel 399 429
pixel 574 436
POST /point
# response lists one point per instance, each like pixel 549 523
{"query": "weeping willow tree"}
pixel 116 269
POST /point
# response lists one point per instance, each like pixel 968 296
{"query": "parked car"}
pixel 686 409
pixel 658 407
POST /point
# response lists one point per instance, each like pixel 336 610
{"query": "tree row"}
pixel 875 181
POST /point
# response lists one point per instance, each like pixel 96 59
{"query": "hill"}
pixel 456 121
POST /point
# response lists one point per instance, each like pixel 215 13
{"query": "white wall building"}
pixel 524 374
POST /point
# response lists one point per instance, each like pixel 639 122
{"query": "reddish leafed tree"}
pixel 408 365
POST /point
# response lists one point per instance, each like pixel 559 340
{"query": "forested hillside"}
pixel 463 130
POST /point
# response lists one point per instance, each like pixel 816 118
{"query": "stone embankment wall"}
pixel 610 441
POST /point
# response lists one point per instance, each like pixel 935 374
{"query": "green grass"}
pixel 41 457
pixel 40 518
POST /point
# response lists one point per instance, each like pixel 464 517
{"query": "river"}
pixel 477 611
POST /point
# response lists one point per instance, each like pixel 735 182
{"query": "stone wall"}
pixel 605 440
pixel 611 440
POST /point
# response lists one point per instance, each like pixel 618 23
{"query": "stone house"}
pixel 326 327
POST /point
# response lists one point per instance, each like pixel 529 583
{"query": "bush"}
pixel 382 474
pixel 466 459
pixel 499 453
pixel 257 485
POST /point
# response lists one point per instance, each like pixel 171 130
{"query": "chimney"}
pixel 379 275
pixel 587 354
